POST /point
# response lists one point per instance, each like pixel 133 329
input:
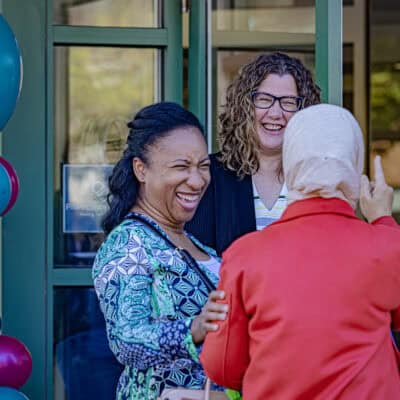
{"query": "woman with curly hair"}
pixel 247 190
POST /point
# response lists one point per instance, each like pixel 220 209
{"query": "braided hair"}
pixel 150 124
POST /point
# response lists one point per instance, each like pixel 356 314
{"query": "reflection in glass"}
pixel 348 77
pixel 118 13
pixel 385 92
pixel 85 190
pixel 264 16
pixel 84 366
pixel 97 90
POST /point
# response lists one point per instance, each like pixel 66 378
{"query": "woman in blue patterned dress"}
pixel 156 306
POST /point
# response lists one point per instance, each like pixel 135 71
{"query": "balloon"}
pixel 9 186
pixel 15 362
pixel 7 393
pixel 10 72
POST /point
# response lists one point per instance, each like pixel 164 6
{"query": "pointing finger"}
pixel 379 175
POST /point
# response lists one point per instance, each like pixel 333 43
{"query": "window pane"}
pixel 264 16
pixel 97 90
pixel 348 77
pixel 119 13
pixel 385 92
pixel 84 366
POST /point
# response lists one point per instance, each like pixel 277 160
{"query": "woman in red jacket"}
pixel 312 297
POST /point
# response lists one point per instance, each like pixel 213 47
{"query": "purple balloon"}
pixel 15 362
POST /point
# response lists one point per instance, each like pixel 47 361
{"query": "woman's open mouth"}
pixel 273 127
pixel 188 201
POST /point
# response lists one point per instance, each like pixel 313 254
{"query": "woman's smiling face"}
pixel 175 177
pixel 270 124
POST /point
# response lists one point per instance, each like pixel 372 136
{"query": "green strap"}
pixel 233 394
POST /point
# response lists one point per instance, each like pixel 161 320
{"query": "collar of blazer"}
pixel 317 205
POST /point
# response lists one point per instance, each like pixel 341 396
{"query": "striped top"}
pixel 265 216
pixel 212 264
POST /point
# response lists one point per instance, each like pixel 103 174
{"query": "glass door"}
pixel 108 61
pixel 90 65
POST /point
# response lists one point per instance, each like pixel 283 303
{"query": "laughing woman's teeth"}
pixel 272 127
pixel 188 197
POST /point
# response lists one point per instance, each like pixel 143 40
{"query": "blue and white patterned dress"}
pixel 149 297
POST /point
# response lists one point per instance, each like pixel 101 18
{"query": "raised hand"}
pixel 212 311
pixel 376 197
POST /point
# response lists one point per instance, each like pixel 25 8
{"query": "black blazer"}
pixel 226 210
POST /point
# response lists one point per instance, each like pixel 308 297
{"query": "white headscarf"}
pixel 323 154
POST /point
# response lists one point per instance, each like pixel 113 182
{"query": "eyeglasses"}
pixel 287 103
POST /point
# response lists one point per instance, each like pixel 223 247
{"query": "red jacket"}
pixel 311 299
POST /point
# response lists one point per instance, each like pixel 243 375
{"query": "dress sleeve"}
pixel 225 354
pixel 124 285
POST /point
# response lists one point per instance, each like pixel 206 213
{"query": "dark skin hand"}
pixel 212 311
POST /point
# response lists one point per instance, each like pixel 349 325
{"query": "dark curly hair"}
pixel 237 138
pixel 150 124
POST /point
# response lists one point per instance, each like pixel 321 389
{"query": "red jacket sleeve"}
pixel 385 290
pixel 225 352
pixel 386 220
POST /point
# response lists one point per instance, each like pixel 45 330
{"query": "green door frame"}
pixel 24 236
pixel 329 49
pixel 197 76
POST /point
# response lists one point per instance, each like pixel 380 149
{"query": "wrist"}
pixel 194 330
pixel 377 215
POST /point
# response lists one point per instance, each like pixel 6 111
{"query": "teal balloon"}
pixel 7 393
pixel 10 72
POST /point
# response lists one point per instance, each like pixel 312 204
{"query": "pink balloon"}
pixel 15 362
pixel 14 184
